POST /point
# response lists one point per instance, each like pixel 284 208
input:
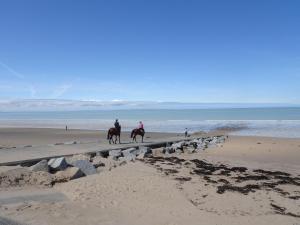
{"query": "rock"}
pixel 68 174
pixel 130 151
pixel 115 154
pixel 168 150
pixel 158 152
pixel 143 149
pixel 85 166
pixel 98 161
pixel 178 151
pixel 128 158
pixel 189 150
pixel 141 156
pixel 40 166
pixel 122 161
pixel 72 159
pixel 57 164
pixel 109 163
pixel 178 145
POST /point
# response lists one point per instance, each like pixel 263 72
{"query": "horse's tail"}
pixel 108 133
pixel 132 132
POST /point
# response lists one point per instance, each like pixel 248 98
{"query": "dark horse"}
pixel 137 131
pixel 114 132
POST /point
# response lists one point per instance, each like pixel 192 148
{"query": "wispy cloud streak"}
pixel 12 71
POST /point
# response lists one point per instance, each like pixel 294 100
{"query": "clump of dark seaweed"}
pixel 282 211
pixel 183 178
pixel 243 190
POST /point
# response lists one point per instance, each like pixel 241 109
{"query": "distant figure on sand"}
pixel 114 131
pixel 186 132
pixel 66 128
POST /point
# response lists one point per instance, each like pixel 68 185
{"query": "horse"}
pixel 137 131
pixel 114 132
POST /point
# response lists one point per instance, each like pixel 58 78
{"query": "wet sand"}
pixel 20 137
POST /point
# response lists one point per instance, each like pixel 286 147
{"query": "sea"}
pixel 270 121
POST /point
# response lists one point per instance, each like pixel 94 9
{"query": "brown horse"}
pixel 114 132
pixel 137 131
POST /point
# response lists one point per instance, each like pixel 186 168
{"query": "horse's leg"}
pixel 119 139
pixel 142 138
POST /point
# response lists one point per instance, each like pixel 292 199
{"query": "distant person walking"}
pixel 66 128
pixel 186 132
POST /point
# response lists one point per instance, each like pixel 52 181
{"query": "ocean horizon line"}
pixel 24 105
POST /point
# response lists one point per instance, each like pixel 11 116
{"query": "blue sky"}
pixel 167 50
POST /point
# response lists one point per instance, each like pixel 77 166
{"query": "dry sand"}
pixel 164 192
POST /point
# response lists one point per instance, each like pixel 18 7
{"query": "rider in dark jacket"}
pixel 117 125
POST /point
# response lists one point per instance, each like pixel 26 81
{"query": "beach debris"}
pixel 282 211
pixel 69 174
pixel 57 164
pixel 244 189
pixel 28 146
pixel 85 166
pixel 40 166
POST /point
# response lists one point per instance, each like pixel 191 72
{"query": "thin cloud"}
pixel 12 71
pixel 61 90
pixel 32 91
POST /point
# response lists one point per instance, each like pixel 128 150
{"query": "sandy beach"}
pixel 178 188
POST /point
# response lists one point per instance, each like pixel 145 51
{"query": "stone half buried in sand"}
pixel 168 150
pixel 99 161
pixel 40 166
pixel 158 152
pixel 130 152
pixel 57 164
pixel 144 150
pixel 72 159
pixel 85 166
pixel 178 145
pixel 70 173
pixel 115 154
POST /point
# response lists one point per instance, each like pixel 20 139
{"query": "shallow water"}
pixel 274 122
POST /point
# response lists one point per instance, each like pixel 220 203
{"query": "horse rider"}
pixel 117 125
pixel 141 126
